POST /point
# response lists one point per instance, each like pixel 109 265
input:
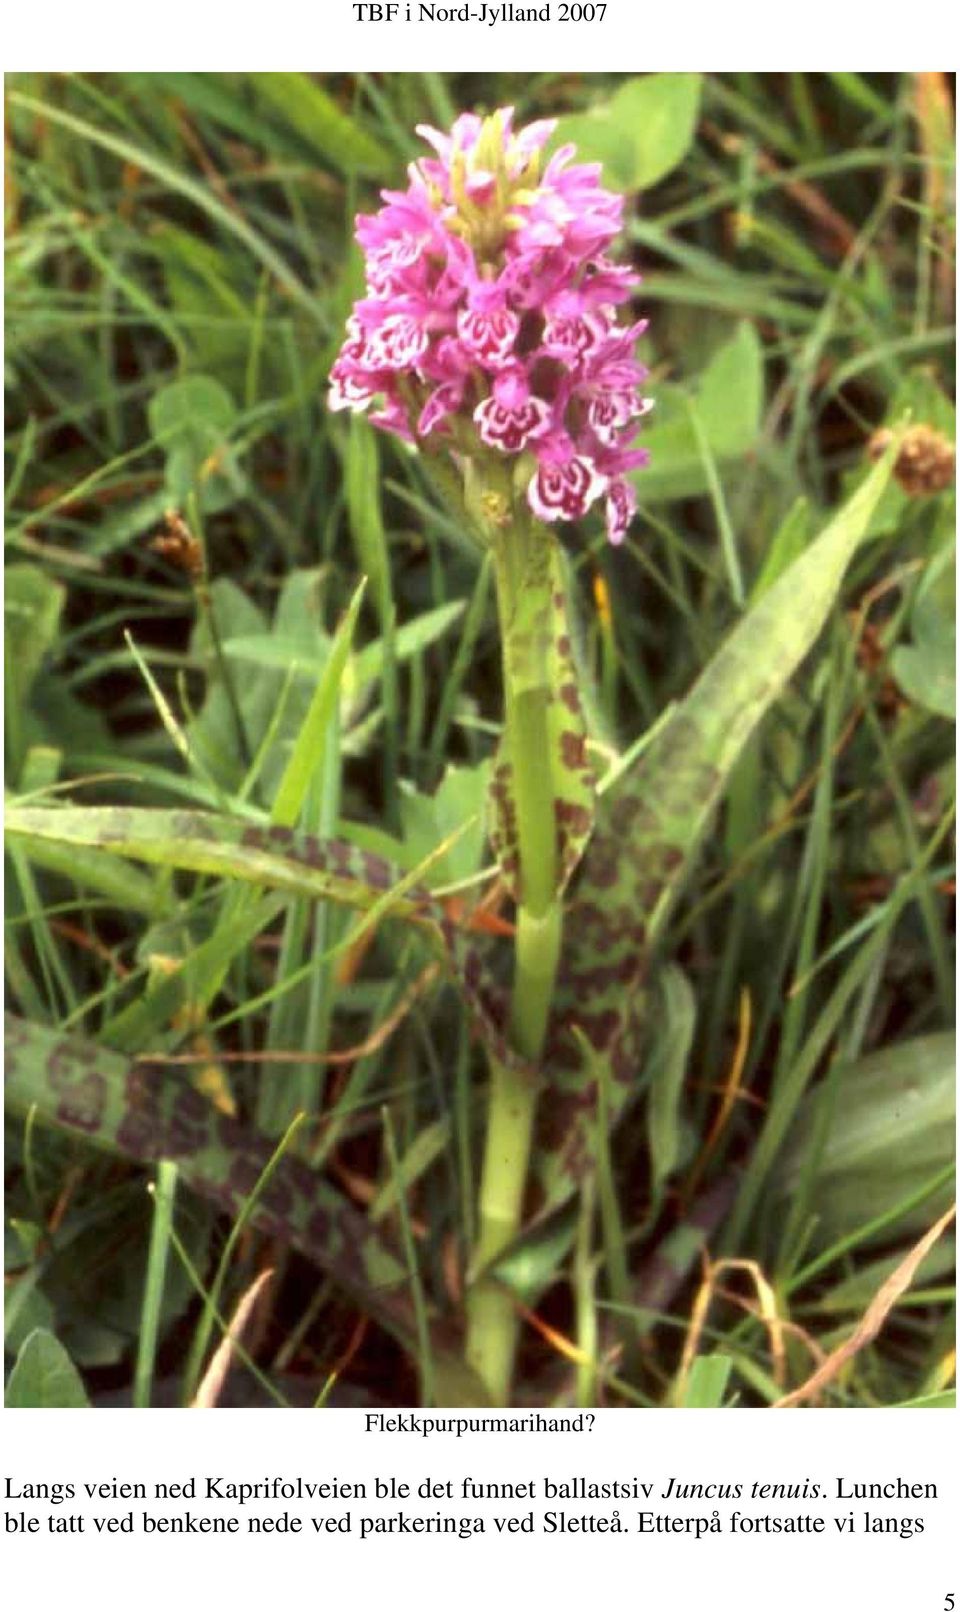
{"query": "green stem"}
pixel 160 1233
pixel 492 1312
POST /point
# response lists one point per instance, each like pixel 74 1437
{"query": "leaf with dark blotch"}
pixel 649 828
pixel 276 858
pixel 148 1111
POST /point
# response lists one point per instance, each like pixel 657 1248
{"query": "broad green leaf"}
pixel 730 394
pixel 642 133
pixel 650 826
pixel 32 606
pixel 44 1377
pixel 292 657
pixel 428 819
pixel 926 668
pixel 195 409
pixel 729 407
pixel 598 138
pixel 889 1129
pixel 658 115
pixel 21 1316
pixel 192 420
pixel 278 652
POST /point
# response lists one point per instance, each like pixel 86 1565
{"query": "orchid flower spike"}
pixel 490 319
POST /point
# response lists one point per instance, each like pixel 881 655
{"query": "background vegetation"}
pixel 179 267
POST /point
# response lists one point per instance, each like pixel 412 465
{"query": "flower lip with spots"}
pixel 491 317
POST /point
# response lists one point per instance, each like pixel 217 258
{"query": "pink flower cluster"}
pixel 491 313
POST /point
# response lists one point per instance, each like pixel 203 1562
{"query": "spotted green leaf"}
pixel 277 858
pixel 649 828
pixel 148 1111
pixel 211 843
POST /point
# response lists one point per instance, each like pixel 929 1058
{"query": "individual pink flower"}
pixel 491 318
pixel 571 330
pixel 621 504
pixel 489 333
pixel 354 381
pixel 512 417
pixel 566 483
pixel 397 342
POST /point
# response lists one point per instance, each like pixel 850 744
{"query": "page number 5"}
pixel 948 1603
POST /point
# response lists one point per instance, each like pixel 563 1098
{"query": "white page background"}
pixel 828 1572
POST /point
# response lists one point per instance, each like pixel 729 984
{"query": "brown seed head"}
pixel 926 462
pixel 177 544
